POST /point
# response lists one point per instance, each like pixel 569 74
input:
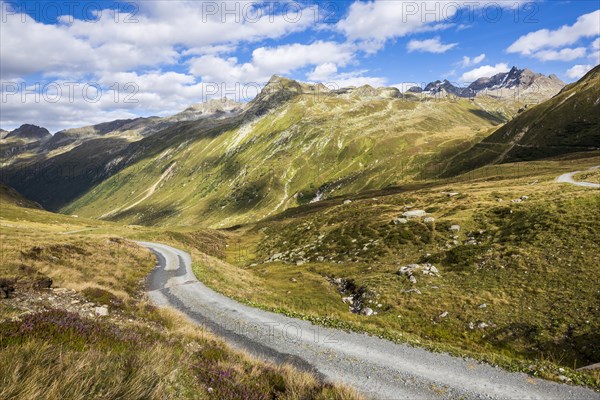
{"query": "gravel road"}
pixel 375 367
pixel 568 178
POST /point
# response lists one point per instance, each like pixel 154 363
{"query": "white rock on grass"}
pixel 367 312
pixel 414 214
pixel 398 221
pixel 455 228
pixel 101 311
pixel 429 220
pixel 444 314
pixel 347 201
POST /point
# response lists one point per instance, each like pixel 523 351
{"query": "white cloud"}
pixel 566 54
pixel 162 33
pixel 382 20
pixel 322 72
pixel 354 78
pixel 468 61
pixel 586 26
pixel 577 71
pixel 596 44
pixel 484 71
pixel 433 45
pixel 267 61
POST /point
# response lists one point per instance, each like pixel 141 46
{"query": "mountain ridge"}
pixel 516 80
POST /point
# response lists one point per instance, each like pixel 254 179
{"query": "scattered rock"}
pixel 516 201
pixel 294 280
pixel 524 198
pixel 348 300
pixel 414 214
pixel 101 311
pixel 484 305
pixel 482 325
pixel 471 326
pixel 347 201
pixel 398 221
pixel 563 378
pixel 300 262
pixel 429 220
pixel 367 312
pixel 455 228
pixel 444 314
pixel 417 291
pixel 412 279
pixel 452 194
pixel 320 259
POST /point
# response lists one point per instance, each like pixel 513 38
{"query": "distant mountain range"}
pixel 228 163
pixel 517 82
pixel 566 123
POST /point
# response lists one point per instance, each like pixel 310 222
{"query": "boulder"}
pixel 101 311
pixel 429 220
pixel 367 312
pixel 412 279
pixel 455 228
pixel 398 221
pixel 347 201
pixel 444 314
pixel 414 214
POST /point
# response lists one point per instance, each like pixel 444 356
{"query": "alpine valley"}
pixel 462 220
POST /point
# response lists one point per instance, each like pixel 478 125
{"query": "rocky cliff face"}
pixel 517 82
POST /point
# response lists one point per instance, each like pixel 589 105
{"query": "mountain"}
pixel 9 195
pixel 295 143
pixel 28 131
pixel 517 83
pixel 3 133
pixel 568 122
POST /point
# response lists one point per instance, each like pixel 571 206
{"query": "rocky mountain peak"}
pixel 28 131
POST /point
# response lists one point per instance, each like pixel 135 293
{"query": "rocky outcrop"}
pixel 28 131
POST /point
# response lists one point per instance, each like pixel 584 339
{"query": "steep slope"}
pixel 295 143
pixel 10 196
pixel 27 131
pixel 25 138
pixel 569 122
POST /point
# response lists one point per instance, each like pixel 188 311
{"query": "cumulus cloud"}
pixel 566 54
pixel 586 25
pixel 433 45
pixel 378 21
pixel 156 36
pixel 577 71
pixel 267 61
pixel 322 72
pixel 484 71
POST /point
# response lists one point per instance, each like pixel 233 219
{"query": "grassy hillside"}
pixel 292 146
pixel 57 269
pixel 515 283
pixel 567 123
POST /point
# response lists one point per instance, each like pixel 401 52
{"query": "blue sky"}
pixel 67 64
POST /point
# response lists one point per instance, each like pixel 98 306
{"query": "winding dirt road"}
pixel 377 368
pixel 568 178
